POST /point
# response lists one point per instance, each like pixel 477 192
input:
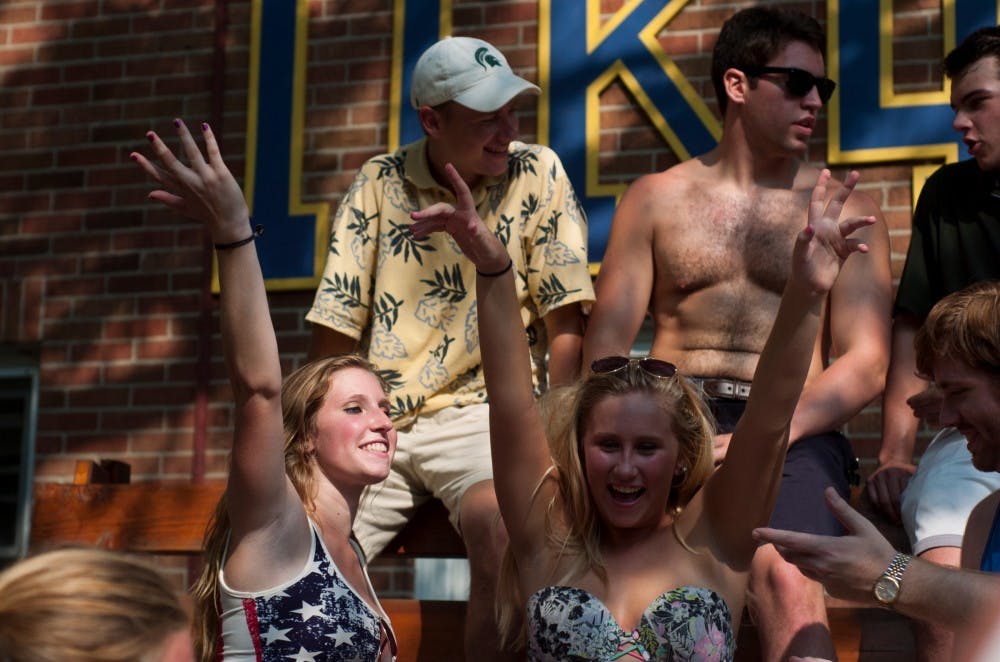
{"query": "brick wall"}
pixel 110 292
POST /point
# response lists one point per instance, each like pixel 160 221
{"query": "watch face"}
pixel 886 590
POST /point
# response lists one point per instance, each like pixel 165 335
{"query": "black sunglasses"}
pixel 652 367
pixel 798 82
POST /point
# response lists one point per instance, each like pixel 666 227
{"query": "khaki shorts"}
pixel 441 455
pixel 939 497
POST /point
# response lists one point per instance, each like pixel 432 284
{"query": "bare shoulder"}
pixel 658 196
pixel 977 530
pixel 981 518
pixel 683 176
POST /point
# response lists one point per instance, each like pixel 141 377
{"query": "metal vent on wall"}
pixel 18 413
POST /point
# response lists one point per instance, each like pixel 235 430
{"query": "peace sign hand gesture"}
pixel 463 223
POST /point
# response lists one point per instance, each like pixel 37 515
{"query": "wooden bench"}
pixel 169 519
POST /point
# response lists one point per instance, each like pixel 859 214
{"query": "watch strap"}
pixel 890 582
pixel 898 566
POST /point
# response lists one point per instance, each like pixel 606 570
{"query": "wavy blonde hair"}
pixel 577 531
pixel 87 605
pixel 302 396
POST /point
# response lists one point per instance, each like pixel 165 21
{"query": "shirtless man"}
pixel 705 247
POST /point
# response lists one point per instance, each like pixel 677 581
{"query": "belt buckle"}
pixel 715 387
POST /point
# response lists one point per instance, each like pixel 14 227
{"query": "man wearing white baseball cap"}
pixel 409 304
pixel 470 72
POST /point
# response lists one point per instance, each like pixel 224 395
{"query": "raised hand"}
pixel 463 223
pixel 203 190
pixel 826 242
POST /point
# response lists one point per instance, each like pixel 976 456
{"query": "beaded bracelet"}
pixel 257 231
pixel 494 274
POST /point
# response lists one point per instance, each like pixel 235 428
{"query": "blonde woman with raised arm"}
pixel 625 544
pixel 284 577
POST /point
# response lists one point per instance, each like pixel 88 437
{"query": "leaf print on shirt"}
pixel 391 164
pixel 433 373
pixel 359 182
pixel 344 289
pixel 496 194
pixel 557 253
pixel 504 226
pixel 551 292
pixel 399 406
pixel 435 312
pixel 472 329
pixel 361 224
pixel 575 210
pixel 549 229
pixel 401 240
pixel 437 307
pixel 331 246
pixel 399 195
pixel 362 236
pixel 468 382
pixel 393 379
pixel 447 285
pixel 529 207
pixel 386 311
pixel 520 162
pixel 386 345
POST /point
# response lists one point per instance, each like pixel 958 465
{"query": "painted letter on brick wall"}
pixel 580 54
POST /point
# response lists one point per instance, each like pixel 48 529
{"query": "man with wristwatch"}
pixel 955 241
pixel 958 347
pixel 887 586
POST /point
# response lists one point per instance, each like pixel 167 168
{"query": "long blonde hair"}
pixel 87 605
pixel 302 395
pixel 576 532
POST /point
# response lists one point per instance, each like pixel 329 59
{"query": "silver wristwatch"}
pixel 886 588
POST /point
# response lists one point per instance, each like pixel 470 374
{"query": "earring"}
pixel 680 473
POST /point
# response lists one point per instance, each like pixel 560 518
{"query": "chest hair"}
pixel 738 240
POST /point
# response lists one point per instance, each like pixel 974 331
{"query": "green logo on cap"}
pixel 484 58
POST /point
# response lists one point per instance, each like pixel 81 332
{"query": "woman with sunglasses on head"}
pixel 283 577
pixel 623 542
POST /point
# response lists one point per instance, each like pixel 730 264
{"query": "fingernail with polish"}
pixel 204 126
pixel 150 136
pixel 177 123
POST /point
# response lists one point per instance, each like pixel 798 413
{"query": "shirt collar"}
pixel 418 172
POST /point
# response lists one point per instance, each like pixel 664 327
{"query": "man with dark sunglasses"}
pixel 798 82
pixel 705 248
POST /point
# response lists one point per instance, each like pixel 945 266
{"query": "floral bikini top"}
pixel 686 623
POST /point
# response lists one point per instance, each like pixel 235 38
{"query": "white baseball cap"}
pixel 468 71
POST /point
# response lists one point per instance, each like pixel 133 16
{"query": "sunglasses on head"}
pixel 798 82
pixel 652 367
